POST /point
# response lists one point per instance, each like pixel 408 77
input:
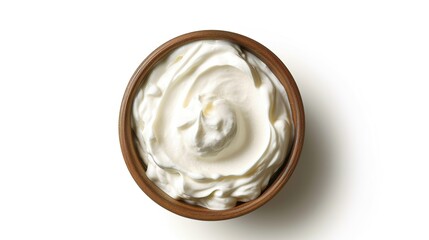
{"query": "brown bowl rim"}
pixel 135 164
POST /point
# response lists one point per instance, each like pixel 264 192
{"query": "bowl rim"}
pixel 135 164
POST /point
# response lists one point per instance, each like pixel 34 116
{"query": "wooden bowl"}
pixel 137 167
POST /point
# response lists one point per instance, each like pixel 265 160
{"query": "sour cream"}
pixel 212 124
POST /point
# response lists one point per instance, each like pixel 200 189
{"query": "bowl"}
pixel 135 164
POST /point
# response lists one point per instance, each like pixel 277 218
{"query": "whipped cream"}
pixel 212 123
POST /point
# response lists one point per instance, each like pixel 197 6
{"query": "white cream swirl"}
pixel 212 124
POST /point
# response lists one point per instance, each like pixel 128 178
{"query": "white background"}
pixel 362 69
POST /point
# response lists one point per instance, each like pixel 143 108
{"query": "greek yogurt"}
pixel 212 124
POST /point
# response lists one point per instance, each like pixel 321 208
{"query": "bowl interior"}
pixel 135 164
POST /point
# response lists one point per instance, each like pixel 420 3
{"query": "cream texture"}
pixel 212 124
